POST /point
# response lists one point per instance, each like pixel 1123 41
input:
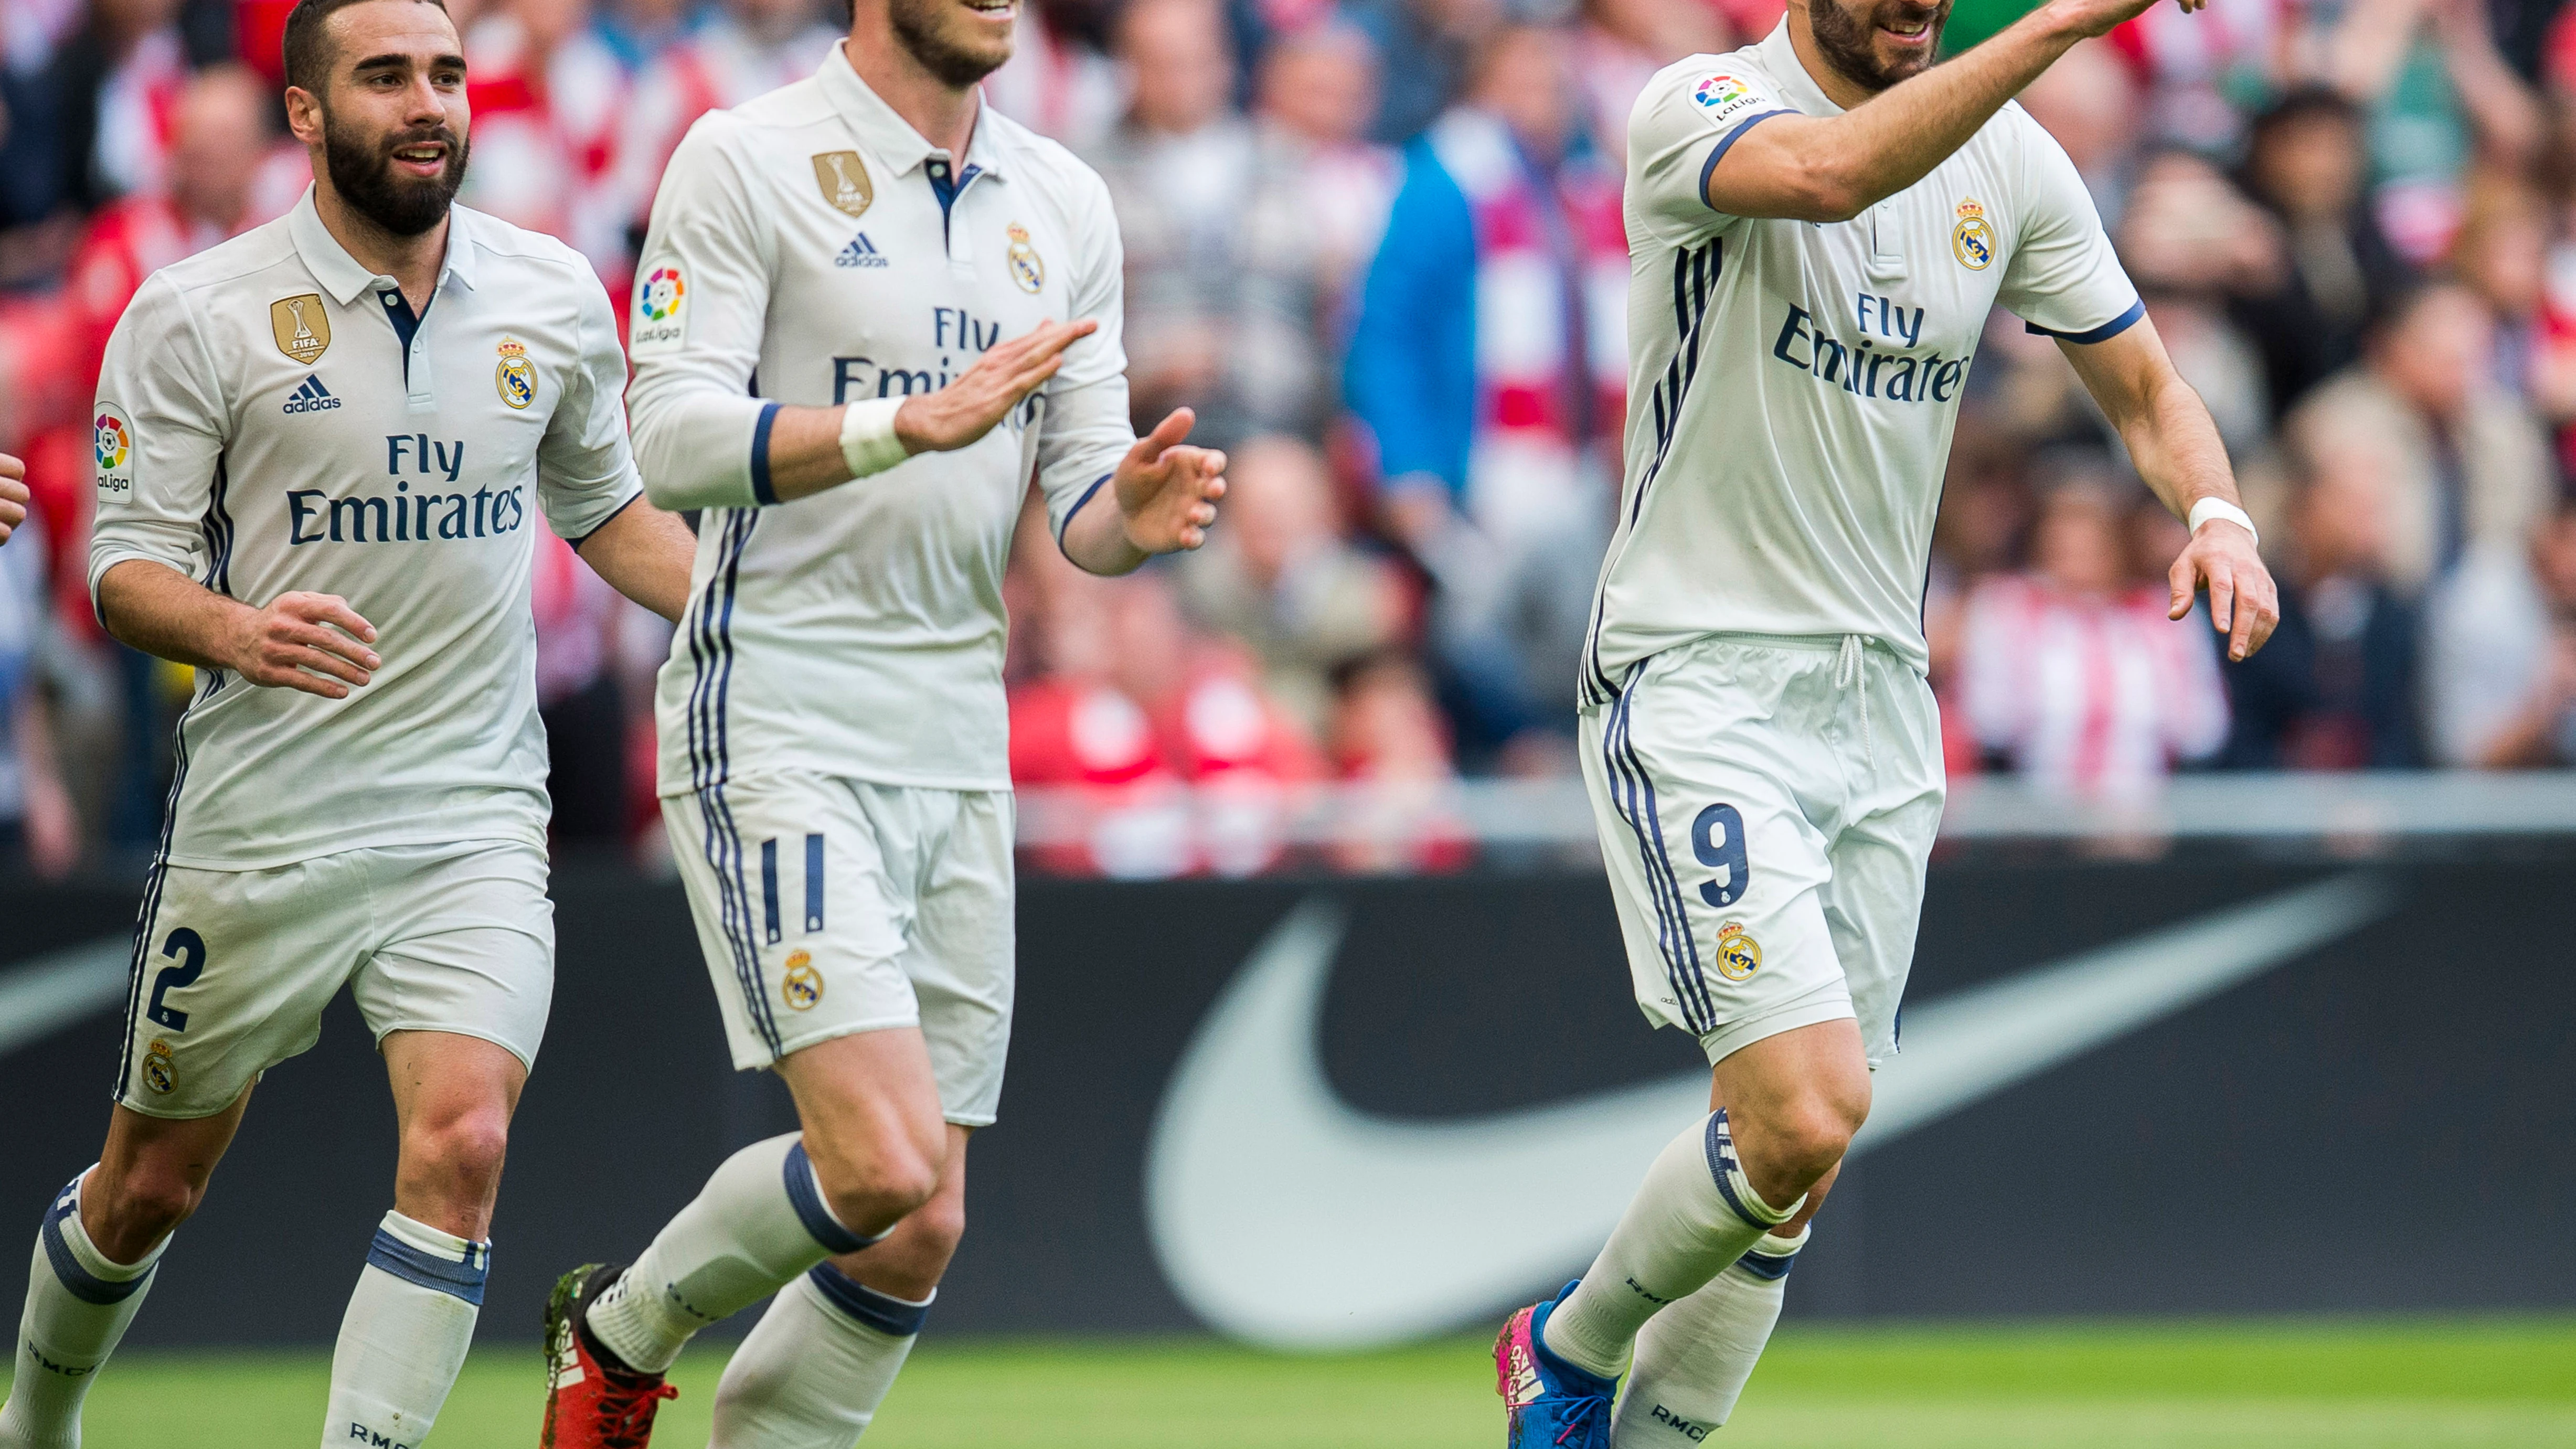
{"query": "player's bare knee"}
pixel 462 1152
pixel 137 1210
pixel 874 1192
pixel 939 1225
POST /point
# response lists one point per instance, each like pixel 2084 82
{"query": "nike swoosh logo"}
pixel 52 991
pixel 1284 1217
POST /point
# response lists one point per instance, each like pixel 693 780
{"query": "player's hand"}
pixel 1167 492
pixel 970 407
pixel 312 642
pixel 2244 604
pixel 13 495
pixel 2101 17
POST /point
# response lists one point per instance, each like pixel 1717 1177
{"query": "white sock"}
pixel 758 1223
pixel 405 1334
pixel 1694 1357
pixel 78 1306
pixel 1694 1215
pixel 812 1374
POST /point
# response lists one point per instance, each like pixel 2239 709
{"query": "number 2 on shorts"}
pixel 1717 838
pixel 190 949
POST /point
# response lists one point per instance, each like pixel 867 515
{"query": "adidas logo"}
pixel 860 253
pixel 312 397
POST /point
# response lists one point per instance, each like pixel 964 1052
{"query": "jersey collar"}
pixel 340 274
pixel 889 136
pixel 1779 56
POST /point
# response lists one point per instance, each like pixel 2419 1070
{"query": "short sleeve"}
pixel 1087 429
pixel 159 428
pixel 2064 279
pixel 585 471
pixel 1688 117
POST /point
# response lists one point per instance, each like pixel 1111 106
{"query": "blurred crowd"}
pixel 1377 245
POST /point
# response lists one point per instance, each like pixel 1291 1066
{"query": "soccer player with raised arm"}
pixel 867 312
pixel 324 448
pixel 1820 225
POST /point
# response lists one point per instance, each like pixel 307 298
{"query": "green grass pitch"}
pixel 2349 1384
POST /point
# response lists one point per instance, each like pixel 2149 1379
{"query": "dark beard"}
pixel 1845 44
pixel 920 35
pixel 364 177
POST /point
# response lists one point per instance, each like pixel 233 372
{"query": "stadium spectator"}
pixel 637 32
pixel 2336 687
pixel 1224 302
pixel 1438 40
pixel 1620 44
pixel 2500 675
pixel 579 620
pixel 1387 735
pixel 1489 362
pixel 1280 577
pixel 548 96
pixel 742 49
pixel 1058 82
pixel 2469 463
pixel 2089 102
pixel 2194 242
pixel 1317 91
pixel 114 84
pixel 2072 672
pixel 2307 165
pixel 38 827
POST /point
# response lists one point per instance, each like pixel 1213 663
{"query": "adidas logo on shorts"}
pixel 312 397
pixel 860 253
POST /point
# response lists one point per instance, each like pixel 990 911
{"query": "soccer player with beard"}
pixel 869 311
pixel 1820 226
pixel 323 448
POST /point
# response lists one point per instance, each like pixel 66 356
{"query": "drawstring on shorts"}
pixel 1848 675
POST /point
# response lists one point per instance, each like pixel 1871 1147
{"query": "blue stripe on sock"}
pixel 1769 1267
pixel 1721 1161
pixel 807 1198
pixel 85 1285
pixel 428 1270
pixel 876 1310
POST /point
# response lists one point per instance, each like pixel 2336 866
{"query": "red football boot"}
pixel 589 1406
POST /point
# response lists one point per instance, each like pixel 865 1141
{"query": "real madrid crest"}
pixel 160 1070
pixel 516 377
pixel 844 179
pixel 1026 267
pixel 1738 954
pixel 1973 239
pixel 802 985
pixel 302 325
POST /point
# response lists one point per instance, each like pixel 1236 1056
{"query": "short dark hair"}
pixel 308 52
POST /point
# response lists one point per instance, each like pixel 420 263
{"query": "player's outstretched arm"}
pixel 312 642
pixel 13 495
pixel 811 449
pixel 1163 496
pixel 2175 447
pixel 1833 168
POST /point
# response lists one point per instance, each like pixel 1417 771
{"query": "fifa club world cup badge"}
pixel 1738 954
pixel 160 1071
pixel 802 985
pixel 1026 269
pixel 516 377
pixel 302 326
pixel 844 179
pixel 1973 239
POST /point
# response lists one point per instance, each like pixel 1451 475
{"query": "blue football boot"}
pixel 1547 1402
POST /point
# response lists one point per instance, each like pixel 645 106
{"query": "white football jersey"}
pixel 272 418
pixel 811 248
pixel 1792 385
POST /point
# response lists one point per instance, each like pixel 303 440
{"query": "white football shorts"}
pixel 1766 808
pixel 233 967
pixel 829 906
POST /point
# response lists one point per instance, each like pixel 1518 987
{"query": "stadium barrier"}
pixel 1323 1111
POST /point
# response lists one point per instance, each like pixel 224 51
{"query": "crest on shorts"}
pixel 1738 954
pixel 160 1070
pixel 516 377
pixel 1027 269
pixel 1973 239
pixel 802 985
pixel 302 325
pixel 844 179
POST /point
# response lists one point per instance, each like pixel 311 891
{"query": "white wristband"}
pixel 2201 512
pixel 868 443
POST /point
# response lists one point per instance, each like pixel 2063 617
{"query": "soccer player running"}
pixel 323 448
pixel 861 268
pixel 1821 224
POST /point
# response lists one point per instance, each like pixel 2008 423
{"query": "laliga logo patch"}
pixel 660 297
pixel 844 179
pixel 1738 954
pixel 302 327
pixel 661 312
pixel 112 444
pixel 160 1071
pixel 1973 239
pixel 1026 268
pixel 802 985
pixel 516 377
pixel 1719 91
